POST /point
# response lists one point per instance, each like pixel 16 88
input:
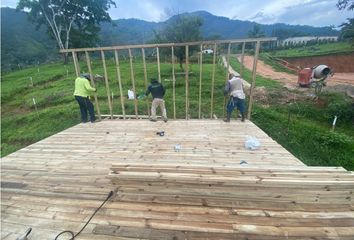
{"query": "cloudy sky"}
pixel 304 12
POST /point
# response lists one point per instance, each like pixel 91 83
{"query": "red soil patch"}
pixel 339 63
pixel 291 79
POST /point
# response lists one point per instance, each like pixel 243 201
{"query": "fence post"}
pixel 158 63
pixel 242 58
pixel 173 82
pixel 133 82
pixel 107 84
pixel 88 61
pixel 145 78
pixel 119 82
pixel 200 81
pixel 76 63
pixel 253 84
pixel 212 84
pixel 227 75
pixel 187 81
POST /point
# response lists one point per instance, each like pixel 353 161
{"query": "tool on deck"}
pixel 161 133
pixel 71 233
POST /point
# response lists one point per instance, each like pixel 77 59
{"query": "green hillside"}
pixel 23 44
pixel 301 126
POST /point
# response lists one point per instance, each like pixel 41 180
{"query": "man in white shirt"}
pixel 234 87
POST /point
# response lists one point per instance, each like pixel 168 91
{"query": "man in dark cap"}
pixel 83 91
pixel 157 91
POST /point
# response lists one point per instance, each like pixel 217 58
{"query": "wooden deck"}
pixel 212 188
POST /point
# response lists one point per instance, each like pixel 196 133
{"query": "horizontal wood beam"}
pixel 160 45
pixel 128 116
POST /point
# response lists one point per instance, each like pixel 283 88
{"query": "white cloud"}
pixel 305 12
pixel 9 3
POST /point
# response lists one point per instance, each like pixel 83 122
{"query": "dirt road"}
pixel 290 80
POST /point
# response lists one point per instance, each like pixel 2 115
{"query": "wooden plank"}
pixel 116 57
pixel 253 83
pixel 187 82
pixel 173 82
pixel 145 78
pixel 133 82
pixel 107 84
pixel 236 203
pixel 158 64
pixel 228 180
pixel 250 40
pixel 233 171
pixel 200 81
pixel 212 84
pixel 76 64
pixel 88 62
pixel 228 62
pixel 242 58
pixel 227 75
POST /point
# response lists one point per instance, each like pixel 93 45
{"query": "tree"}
pixel 347 30
pixel 343 4
pixel 70 22
pixel 181 29
pixel 256 32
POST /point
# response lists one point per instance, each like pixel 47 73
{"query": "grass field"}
pixel 306 133
pixel 315 50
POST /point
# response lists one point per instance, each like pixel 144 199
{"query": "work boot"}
pixel 228 117
pixel 243 118
pixel 153 120
pixel 165 120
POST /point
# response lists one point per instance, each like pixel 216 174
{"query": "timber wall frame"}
pixel 256 41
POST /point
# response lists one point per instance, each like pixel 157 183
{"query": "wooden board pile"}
pixel 197 202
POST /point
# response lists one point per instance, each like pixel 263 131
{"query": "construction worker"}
pixel 82 93
pixel 234 87
pixel 157 91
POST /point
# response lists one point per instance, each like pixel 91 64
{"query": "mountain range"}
pixel 22 44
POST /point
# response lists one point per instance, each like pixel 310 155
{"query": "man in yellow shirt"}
pixel 83 91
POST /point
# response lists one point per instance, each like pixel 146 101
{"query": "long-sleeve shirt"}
pixel 83 87
pixel 156 89
pixel 234 87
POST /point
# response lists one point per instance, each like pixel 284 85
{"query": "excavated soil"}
pixel 339 63
pixel 290 80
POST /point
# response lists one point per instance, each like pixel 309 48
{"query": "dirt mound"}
pixel 341 63
pixel 267 71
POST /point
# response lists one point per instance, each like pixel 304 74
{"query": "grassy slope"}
pixel 304 51
pixel 57 109
pixel 315 50
pixel 306 135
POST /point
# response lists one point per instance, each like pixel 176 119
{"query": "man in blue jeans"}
pixel 234 87
pixel 83 91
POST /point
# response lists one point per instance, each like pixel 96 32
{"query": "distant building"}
pixel 304 40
